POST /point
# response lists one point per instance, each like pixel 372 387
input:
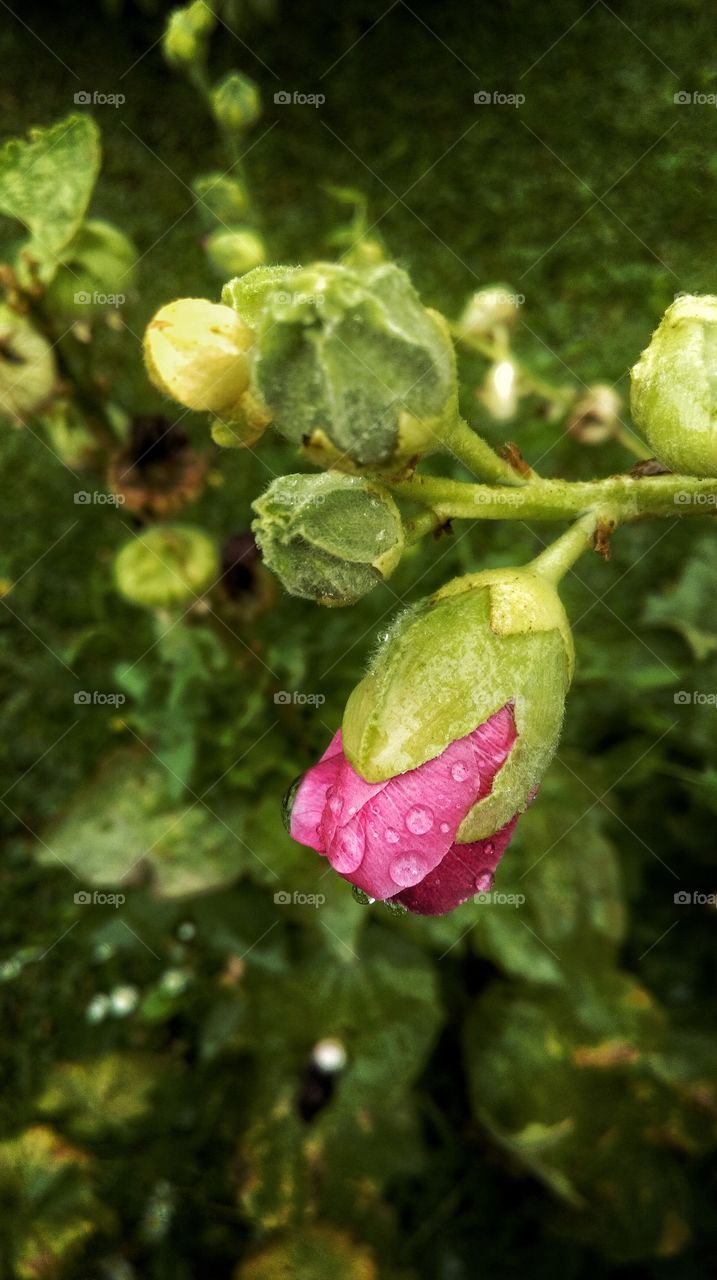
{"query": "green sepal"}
pixel 449 664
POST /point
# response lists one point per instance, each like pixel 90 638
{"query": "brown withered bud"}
pixel 245 583
pixel 158 472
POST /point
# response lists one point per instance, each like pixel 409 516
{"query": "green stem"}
pixel 475 452
pixel 628 497
pixel 418 526
pixel 553 563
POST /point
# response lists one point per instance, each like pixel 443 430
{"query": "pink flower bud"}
pixel 397 839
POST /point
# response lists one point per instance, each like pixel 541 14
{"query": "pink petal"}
pixel 466 869
pixel 391 835
pixel 310 799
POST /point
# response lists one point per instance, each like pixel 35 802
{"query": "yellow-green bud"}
pixel 248 423
pixel 185 38
pixel 353 367
pixel 27 366
pixel 221 198
pixel 674 387
pixel 196 352
pixel 233 251
pixel 235 102
pixel 165 566
pixel 330 538
pixel 450 663
pixel 97 269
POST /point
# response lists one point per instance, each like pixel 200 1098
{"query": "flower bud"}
pixel 196 352
pixel 488 308
pixel 166 565
pixel 185 38
pixel 596 415
pixel 234 251
pixel 27 366
pixel 484 641
pixel 248 423
pixel 330 538
pixel 353 367
pixel 444 743
pixel 96 270
pixel 674 387
pixel 221 198
pixel 235 102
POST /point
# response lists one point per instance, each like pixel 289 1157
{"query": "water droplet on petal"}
pixel 336 803
pixel 419 820
pixel 392 836
pixel 407 870
pixel 347 850
pixel 445 827
pixel 459 773
pixel 484 882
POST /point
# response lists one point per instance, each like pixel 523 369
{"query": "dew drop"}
pixel 484 882
pixel 392 836
pixel 445 827
pixel 347 850
pixel 459 773
pixel 407 870
pixel 419 820
pixel 336 804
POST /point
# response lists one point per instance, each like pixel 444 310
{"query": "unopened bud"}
pixel 27 366
pixel 166 565
pixel 487 309
pixel 596 415
pixel 235 102
pixel 234 251
pixel 196 352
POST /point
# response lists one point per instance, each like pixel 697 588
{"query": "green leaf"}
pixel 314 1253
pixel 46 183
pixel 101 1094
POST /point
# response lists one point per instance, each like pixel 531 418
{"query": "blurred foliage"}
pixel 530 1083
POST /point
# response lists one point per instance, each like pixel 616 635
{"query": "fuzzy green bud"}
pixel 165 566
pixel 97 269
pixel 27 366
pixel 329 538
pixel 185 38
pixel 449 664
pixel 235 102
pixel 352 366
pixel 196 352
pixel 674 387
pixel 234 250
pixel 221 198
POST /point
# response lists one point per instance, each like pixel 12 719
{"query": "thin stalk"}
pixel 476 454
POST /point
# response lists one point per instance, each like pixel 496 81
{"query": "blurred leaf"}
pixel 313 1253
pixel 101 1094
pixel 46 183
pixel 47 1206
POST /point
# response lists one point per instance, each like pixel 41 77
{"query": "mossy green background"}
pixel 465 1137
